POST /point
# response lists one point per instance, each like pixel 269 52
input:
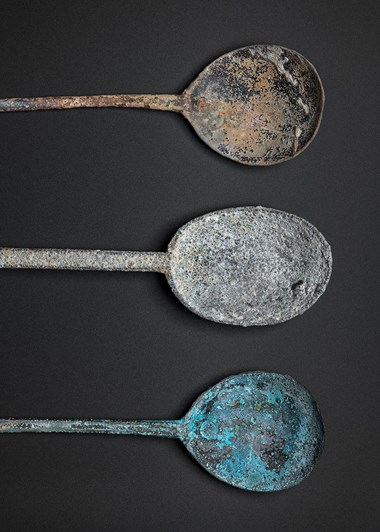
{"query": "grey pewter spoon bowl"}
pixel 240 266
pixel 257 105
pixel 256 431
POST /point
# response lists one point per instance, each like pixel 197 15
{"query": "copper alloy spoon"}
pixel 257 431
pixel 241 266
pixel 257 105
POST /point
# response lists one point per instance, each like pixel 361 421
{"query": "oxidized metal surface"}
pixel 161 102
pixel 82 259
pixel 164 428
pixel 256 431
pixel 241 266
pixel 249 266
pixel 257 105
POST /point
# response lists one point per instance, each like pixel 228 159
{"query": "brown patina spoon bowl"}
pixel 258 105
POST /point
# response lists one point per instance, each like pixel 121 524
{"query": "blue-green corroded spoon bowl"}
pixel 256 431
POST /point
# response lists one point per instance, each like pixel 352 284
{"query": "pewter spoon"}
pixel 257 431
pixel 257 105
pixel 240 266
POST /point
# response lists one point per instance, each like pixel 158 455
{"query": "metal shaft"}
pixel 83 259
pixel 165 428
pixel 162 102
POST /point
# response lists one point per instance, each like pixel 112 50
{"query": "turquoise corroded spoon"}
pixel 257 105
pixel 256 431
pixel 241 266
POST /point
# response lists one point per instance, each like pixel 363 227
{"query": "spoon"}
pixel 257 431
pixel 240 266
pixel 257 105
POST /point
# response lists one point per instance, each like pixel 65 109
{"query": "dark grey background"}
pixel 120 345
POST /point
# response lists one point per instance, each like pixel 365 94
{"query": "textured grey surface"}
pixel 240 266
pixel 249 265
pixel 82 259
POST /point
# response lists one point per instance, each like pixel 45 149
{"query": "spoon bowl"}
pixel 248 266
pixel 256 431
pixel 258 105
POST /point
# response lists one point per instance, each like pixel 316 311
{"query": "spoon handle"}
pixel 165 428
pixel 162 102
pixel 83 259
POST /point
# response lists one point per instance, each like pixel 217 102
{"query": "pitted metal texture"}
pixel 258 105
pixel 257 431
pixel 249 265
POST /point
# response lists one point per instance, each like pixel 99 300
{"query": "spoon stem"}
pixel 83 259
pixel 161 102
pixel 165 428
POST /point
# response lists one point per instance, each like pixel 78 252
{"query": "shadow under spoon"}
pixel 257 431
pixel 258 105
